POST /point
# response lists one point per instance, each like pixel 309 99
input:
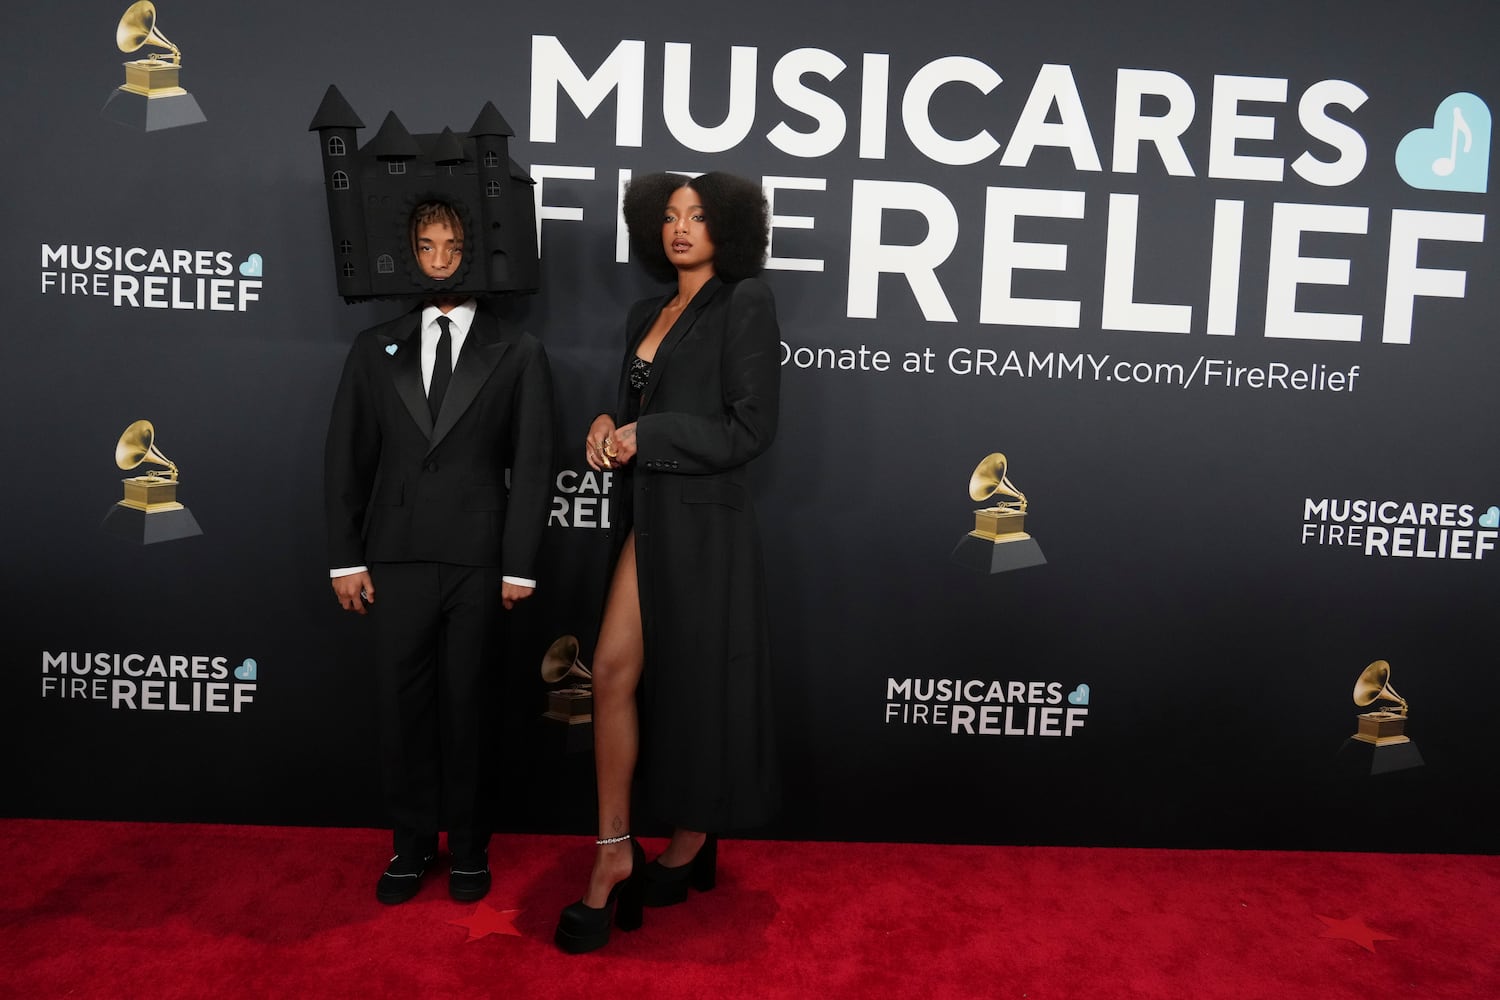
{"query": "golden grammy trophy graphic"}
pixel 999 541
pixel 149 511
pixel 151 97
pixel 574 705
pixel 1381 734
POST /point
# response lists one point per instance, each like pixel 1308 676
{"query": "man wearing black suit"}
pixel 431 410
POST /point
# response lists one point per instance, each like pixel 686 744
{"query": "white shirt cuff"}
pixel 351 570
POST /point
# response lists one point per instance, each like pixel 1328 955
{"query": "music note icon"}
pixel 1444 165
pixel 1453 154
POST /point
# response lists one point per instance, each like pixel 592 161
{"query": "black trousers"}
pixel 438 633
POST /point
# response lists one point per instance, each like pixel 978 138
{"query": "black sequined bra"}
pixel 640 372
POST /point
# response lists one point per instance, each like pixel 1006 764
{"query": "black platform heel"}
pixel 669 886
pixel 583 928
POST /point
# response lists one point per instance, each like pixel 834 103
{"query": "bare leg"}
pixel 618 658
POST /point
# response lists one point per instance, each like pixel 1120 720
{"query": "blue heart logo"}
pixel 245 671
pixel 1453 155
pixel 1079 696
pixel 1490 518
pixel 390 349
pixel 252 266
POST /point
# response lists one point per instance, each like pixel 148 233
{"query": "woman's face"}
pixel 684 233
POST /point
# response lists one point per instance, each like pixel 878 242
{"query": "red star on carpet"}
pixel 1353 929
pixel 486 920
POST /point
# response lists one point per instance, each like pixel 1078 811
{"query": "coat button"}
pixel 431 467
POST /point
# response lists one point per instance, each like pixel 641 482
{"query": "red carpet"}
pixel 124 910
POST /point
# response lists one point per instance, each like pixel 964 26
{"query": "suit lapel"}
pixel 405 351
pixel 482 351
pixel 674 336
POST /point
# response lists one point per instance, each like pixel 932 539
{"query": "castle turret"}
pixel 508 206
pixel 336 125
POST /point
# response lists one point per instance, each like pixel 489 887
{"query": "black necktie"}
pixel 442 368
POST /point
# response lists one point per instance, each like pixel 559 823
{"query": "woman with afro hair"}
pixel 681 670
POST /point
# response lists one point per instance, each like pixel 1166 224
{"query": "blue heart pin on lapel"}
pixel 390 349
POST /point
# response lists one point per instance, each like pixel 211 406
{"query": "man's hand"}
pixel 354 590
pixel 510 593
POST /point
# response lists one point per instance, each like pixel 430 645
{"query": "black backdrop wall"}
pixel 1217 280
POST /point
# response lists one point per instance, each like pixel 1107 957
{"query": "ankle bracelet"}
pixel 606 841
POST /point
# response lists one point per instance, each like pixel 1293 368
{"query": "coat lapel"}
pixel 482 351
pixel 405 352
pixel 674 336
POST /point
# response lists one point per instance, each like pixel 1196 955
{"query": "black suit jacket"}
pixel 400 488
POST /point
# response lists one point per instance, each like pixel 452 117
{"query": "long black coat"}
pixel 710 406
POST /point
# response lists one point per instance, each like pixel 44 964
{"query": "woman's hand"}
pixel 619 446
pixel 600 431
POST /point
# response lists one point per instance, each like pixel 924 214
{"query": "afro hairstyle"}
pixel 734 211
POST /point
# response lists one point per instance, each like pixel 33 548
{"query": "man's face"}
pixel 439 250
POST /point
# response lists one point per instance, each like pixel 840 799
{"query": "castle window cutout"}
pixel 491 160
pixel 340 181
pixel 345 248
pixel 347 270
pixel 385 264
pixel 335 146
pixel 396 167
pixel 492 189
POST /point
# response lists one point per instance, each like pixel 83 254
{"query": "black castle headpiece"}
pixel 373 189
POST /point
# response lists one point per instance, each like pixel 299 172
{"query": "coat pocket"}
pixel 723 494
